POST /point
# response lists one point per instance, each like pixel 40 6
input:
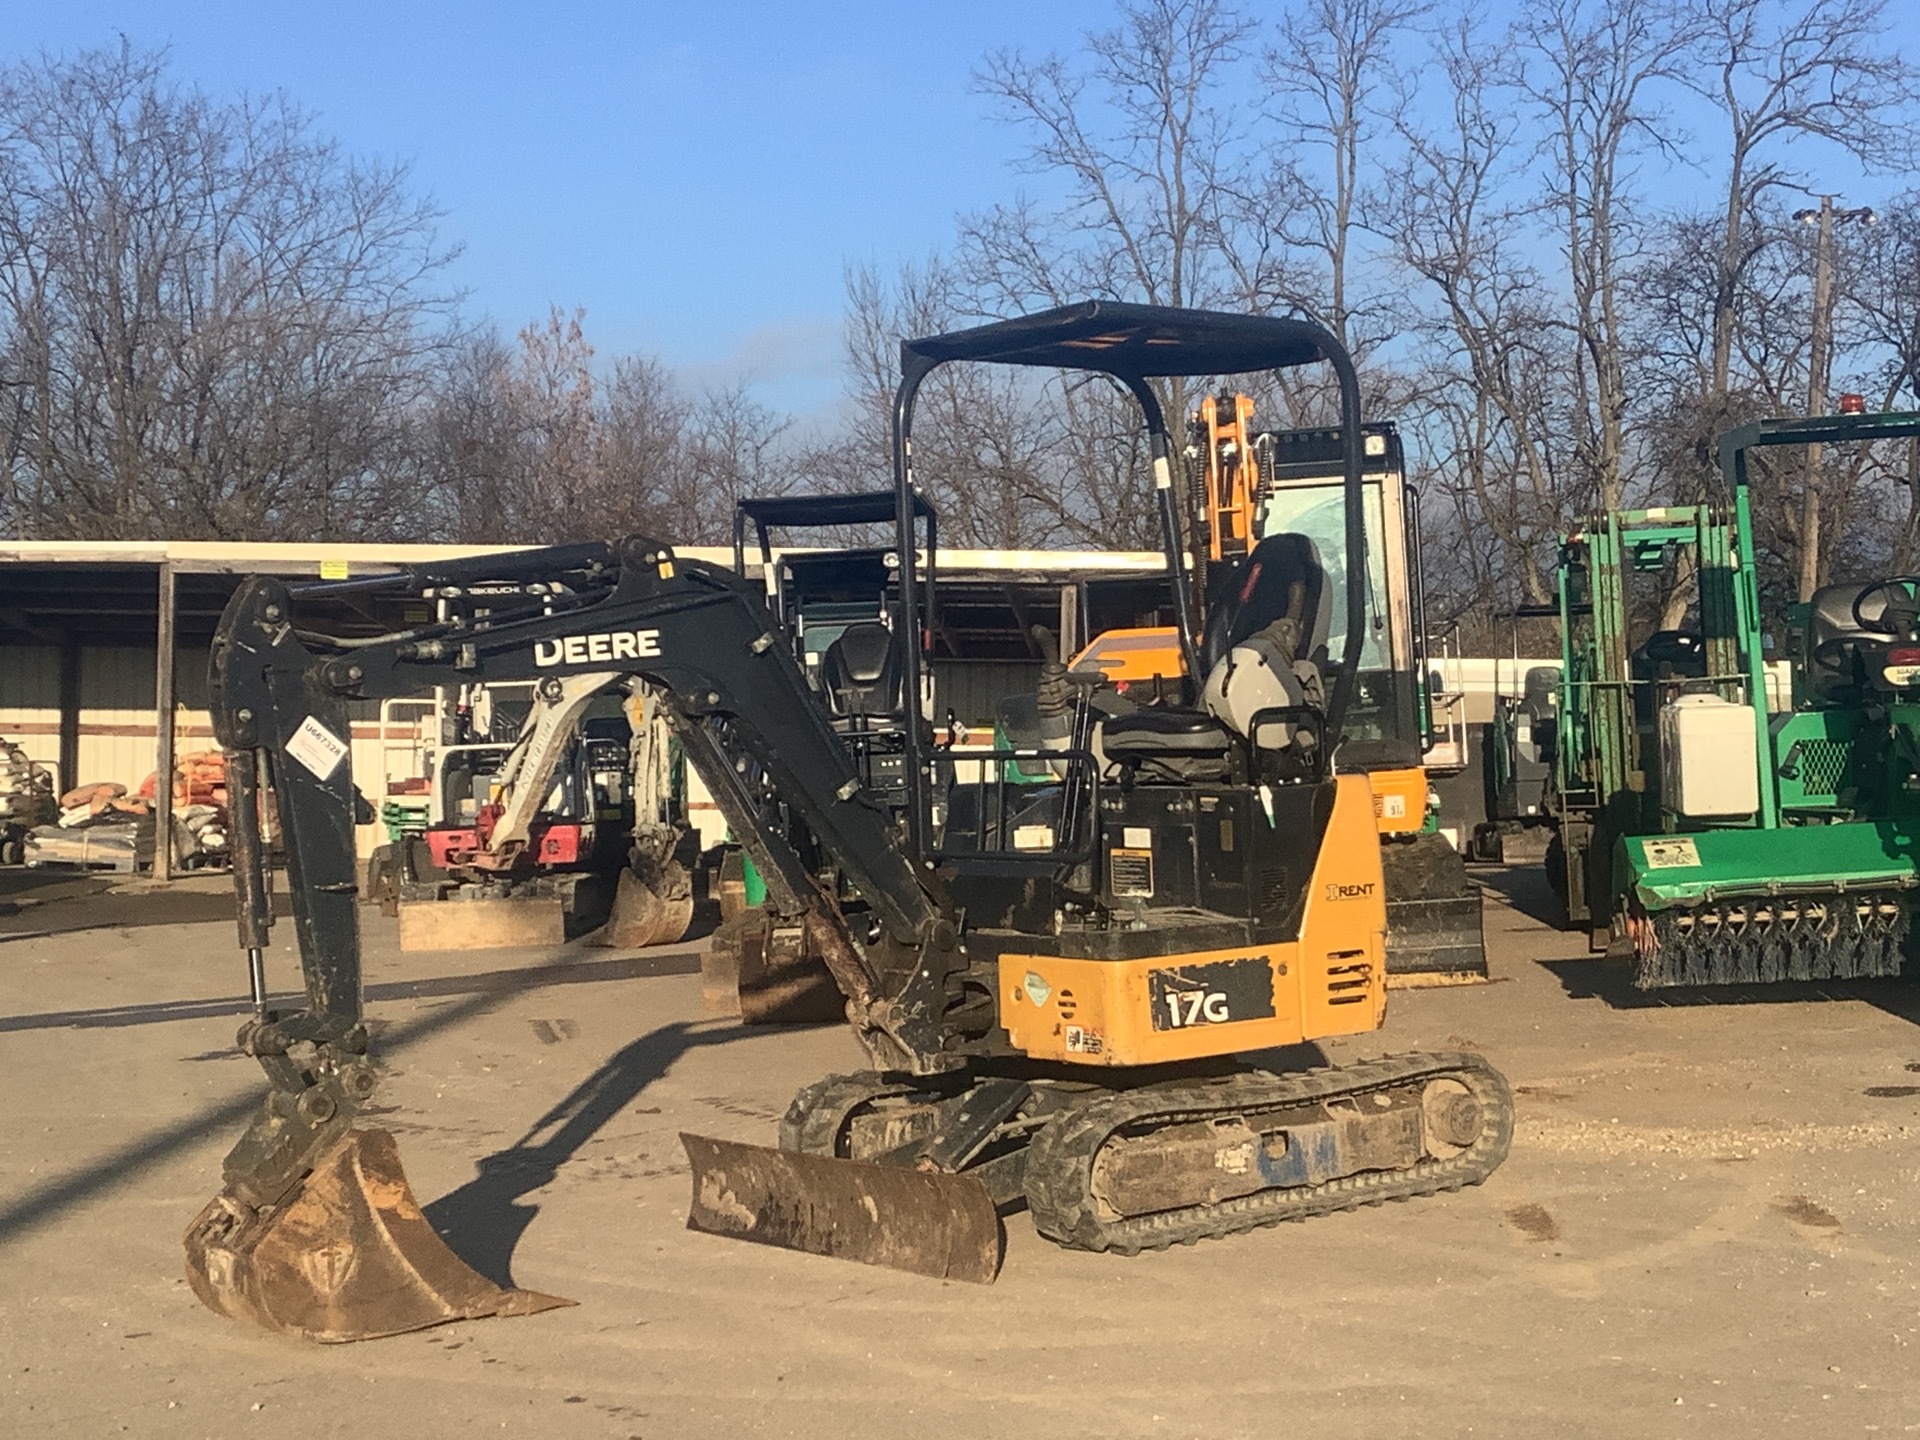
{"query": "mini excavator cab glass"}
pixel 1383 704
pixel 1304 494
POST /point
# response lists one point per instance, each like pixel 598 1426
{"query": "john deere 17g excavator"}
pixel 1051 981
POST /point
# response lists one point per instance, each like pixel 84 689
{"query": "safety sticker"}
pixel 1671 854
pixel 317 748
pixel 1084 1041
pixel 1130 873
pixel 1393 807
pixel 1037 988
pixel 1033 837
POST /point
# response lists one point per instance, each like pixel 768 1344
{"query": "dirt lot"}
pixel 1708 1224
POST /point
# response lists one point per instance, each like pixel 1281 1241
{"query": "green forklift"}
pixel 1732 826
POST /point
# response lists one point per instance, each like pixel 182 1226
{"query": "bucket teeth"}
pixel 347 1256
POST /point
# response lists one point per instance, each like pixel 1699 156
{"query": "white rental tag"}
pixel 317 748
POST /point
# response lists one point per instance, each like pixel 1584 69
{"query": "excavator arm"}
pixel 280 697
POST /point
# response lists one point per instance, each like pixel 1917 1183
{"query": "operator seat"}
pixel 1835 675
pixel 1272 639
pixel 1660 666
pixel 861 676
pixel 1264 649
pixel 1282 577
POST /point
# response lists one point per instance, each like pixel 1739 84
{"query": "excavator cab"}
pixel 1053 1006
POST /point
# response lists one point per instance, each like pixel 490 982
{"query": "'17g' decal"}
pixel 1195 1007
pixel 1215 993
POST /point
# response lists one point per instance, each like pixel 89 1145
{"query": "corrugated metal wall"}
pixel 116 708
pixel 117 730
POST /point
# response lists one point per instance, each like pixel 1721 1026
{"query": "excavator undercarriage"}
pixel 1052 982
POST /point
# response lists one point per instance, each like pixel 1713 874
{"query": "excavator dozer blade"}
pixel 348 1256
pixel 926 1222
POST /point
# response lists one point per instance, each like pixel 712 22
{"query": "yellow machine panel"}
pixel 1330 981
pixel 1400 800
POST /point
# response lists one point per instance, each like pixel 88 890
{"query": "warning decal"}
pixel 1671 854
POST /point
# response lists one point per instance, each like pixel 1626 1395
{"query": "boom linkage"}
pixel 734 695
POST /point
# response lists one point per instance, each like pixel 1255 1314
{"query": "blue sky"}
pixel 696 176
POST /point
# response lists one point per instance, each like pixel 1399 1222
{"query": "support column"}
pixel 163 730
pixel 69 712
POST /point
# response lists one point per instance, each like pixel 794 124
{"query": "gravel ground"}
pixel 1707 1225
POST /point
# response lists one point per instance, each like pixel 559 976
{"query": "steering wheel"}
pixel 1911 595
pixel 1835 656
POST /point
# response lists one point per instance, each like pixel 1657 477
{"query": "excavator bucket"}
pixel 348 1256
pixel 927 1222
pixel 654 907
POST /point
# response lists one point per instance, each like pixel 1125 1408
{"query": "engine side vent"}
pixel 1348 984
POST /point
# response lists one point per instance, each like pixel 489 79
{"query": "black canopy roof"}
pixel 1130 341
pixel 875 508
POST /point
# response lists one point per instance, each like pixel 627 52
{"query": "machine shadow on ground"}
pixel 483 1220
pixel 567 971
pixel 35 904
pixel 1525 888
pixel 476 995
pixel 1609 979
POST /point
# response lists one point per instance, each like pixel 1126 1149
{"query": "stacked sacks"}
pixel 100 824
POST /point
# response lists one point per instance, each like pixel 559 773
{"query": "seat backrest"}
pixel 860 672
pixel 1664 656
pixel 1281 578
pixel 1830 619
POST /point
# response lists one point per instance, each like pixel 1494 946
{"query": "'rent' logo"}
pixel 597 649
pixel 1337 891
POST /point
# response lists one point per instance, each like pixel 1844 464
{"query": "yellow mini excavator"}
pixel 1244 484
pixel 1052 981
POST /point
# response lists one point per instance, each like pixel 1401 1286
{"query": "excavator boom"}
pixel 316 1231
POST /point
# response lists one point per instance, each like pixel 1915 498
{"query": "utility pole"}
pixel 1819 365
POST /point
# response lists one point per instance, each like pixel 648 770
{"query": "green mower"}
pixel 1732 835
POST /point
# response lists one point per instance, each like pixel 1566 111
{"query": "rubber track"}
pixel 1060 1160
pixel 817 1113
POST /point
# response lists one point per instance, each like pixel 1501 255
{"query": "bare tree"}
pixel 1591 69
pixel 1459 230
pixel 212 323
pixel 1820 71
pixel 1330 96
pixel 534 444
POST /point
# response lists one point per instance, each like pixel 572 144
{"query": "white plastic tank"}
pixel 1709 757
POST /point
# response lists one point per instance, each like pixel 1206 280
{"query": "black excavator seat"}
pixel 1163 730
pixel 860 673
